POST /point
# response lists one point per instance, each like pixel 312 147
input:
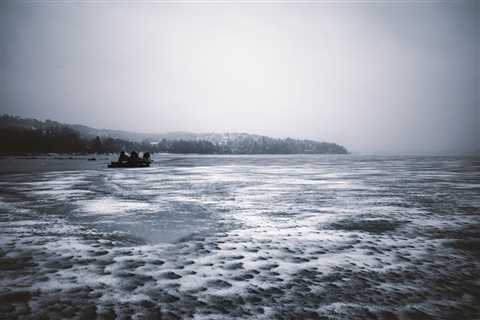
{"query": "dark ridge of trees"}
pixel 30 136
pixel 60 140
pixel 49 140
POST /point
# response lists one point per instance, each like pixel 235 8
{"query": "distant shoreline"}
pixel 31 136
pixel 74 156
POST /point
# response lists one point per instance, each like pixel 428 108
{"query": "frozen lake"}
pixel 241 237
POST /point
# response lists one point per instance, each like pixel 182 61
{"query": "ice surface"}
pixel 243 237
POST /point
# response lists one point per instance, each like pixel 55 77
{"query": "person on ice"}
pixel 134 155
pixel 146 156
pixel 123 157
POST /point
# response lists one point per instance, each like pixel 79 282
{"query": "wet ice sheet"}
pixel 245 237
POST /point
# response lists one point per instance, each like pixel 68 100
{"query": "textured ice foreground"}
pixel 252 237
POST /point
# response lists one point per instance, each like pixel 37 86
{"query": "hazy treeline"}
pixel 250 145
pixel 7 121
pixel 22 136
pixel 267 145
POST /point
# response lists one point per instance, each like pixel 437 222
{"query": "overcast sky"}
pixel 399 76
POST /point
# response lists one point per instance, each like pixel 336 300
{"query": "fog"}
pixel 397 77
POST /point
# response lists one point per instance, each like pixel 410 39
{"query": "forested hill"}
pixel 18 135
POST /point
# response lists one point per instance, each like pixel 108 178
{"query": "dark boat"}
pixel 133 161
pixel 130 164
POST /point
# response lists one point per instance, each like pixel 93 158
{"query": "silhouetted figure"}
pixel 123 157
pixel 146 156
pixel 134 155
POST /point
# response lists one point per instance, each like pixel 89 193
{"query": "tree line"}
pixel 58 140
pixel 30 136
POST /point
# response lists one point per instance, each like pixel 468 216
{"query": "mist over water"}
pixel 395 77
pixel 251 237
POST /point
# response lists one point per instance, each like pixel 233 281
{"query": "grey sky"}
pixel 373 76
